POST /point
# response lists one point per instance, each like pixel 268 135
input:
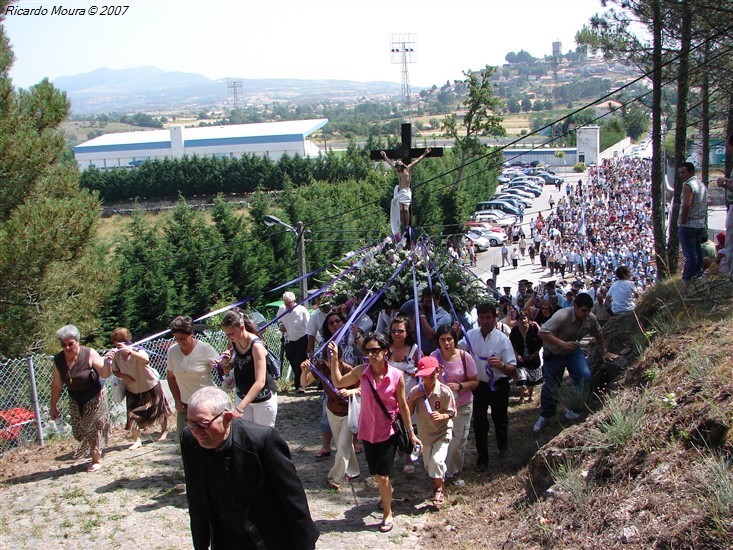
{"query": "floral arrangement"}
pixel 374 270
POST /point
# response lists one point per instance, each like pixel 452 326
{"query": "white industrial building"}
pixel 272 139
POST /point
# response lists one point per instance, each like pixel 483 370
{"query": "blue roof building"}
pixel 130 149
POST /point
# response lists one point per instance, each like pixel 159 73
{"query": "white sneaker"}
pixel 458 482
pixel 541 423
pixel 571 415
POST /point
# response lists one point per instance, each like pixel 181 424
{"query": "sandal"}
pixel 386 526
pixel 94 467
pixel 323 453
pixel 438 497
pixel 409 469
pixel 358 449
pixel 333 484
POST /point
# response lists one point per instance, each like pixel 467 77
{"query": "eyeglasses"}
pixel 398 331
pixel 372 351
pixel 204 424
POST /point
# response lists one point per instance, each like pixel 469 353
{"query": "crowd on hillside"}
pixel 396 378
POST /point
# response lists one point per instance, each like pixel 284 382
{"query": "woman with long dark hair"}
pixel 248 357
pixel 458 372
pixel 379 381
pixel 337 409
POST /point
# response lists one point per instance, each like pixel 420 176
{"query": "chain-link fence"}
pixel 25 390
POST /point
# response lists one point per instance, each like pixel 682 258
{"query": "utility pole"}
pixel 302 269
pixel 299 232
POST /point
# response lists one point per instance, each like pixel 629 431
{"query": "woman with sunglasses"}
pixel 336 408
pixel 375 430
pixel 80 369
pixel 248 358
pixel 459 374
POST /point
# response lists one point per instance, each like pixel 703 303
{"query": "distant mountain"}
pixel 149 88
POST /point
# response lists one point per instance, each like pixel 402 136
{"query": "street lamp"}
pixel 299 233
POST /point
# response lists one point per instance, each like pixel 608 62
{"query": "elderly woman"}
pixel 527 346
pixel 375 429
pixel 460 375
pixel 144 397
pixel 80 369
pixel 248 358
pixel 336 408
pixel 189 366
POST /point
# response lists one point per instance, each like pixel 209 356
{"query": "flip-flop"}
pixel 409 468
pixel 333 484
pixel 94 467
pixel 322 454
pixel 386 526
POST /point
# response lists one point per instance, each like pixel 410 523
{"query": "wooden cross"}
pixel 405 152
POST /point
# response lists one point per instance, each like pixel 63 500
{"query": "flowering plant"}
pixel 385 261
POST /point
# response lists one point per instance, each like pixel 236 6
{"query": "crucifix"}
pixel 401 160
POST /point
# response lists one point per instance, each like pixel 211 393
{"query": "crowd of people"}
pixel 438 374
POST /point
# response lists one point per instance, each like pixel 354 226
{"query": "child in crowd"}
pixel 435 408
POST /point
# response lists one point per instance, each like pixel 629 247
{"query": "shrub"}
pixel 579 167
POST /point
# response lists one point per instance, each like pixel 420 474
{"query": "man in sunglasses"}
pixel 242 487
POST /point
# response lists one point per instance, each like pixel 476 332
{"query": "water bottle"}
pixel 416 450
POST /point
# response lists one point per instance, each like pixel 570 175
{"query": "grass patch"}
pixel 623 419
pixel 569 478
pixel 90 524
pixel 70 494
pixel 716 493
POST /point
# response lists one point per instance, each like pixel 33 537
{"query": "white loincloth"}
pixel 401 196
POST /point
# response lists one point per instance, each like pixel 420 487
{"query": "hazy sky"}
pixel 342 39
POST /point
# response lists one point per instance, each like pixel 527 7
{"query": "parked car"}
pixel 549 178
pixel 518 192
pixel 498 205
pixel 513 200
pixel 481 243
pixel 495 238
pixel 524 188
pixel 496 217
pixel 508 175
pixel 526 183
pixel 470 224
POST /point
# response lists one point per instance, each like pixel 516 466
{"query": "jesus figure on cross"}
pixel 400 208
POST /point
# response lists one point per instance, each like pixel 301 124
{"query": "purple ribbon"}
pixel 425 399
pixel 489 372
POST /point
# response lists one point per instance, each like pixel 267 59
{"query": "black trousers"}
pixel 297 352
pixel 498 400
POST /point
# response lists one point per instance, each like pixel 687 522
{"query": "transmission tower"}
pixel 234 88
pixel 402 52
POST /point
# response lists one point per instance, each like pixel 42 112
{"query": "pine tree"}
pixel 50 272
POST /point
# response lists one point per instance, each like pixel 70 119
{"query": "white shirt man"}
pixel 294 322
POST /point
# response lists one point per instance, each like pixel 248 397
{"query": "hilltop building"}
pixel 272 139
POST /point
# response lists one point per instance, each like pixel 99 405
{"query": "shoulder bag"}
pixel 404 443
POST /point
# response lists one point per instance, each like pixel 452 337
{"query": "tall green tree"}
pixel 144 299
pixel 50 272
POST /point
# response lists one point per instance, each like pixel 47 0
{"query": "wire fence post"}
pixel 34 400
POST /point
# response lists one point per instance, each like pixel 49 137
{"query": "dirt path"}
pixel 138 499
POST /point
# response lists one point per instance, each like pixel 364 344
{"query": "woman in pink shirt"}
pixel 375 430
pixel 460 375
